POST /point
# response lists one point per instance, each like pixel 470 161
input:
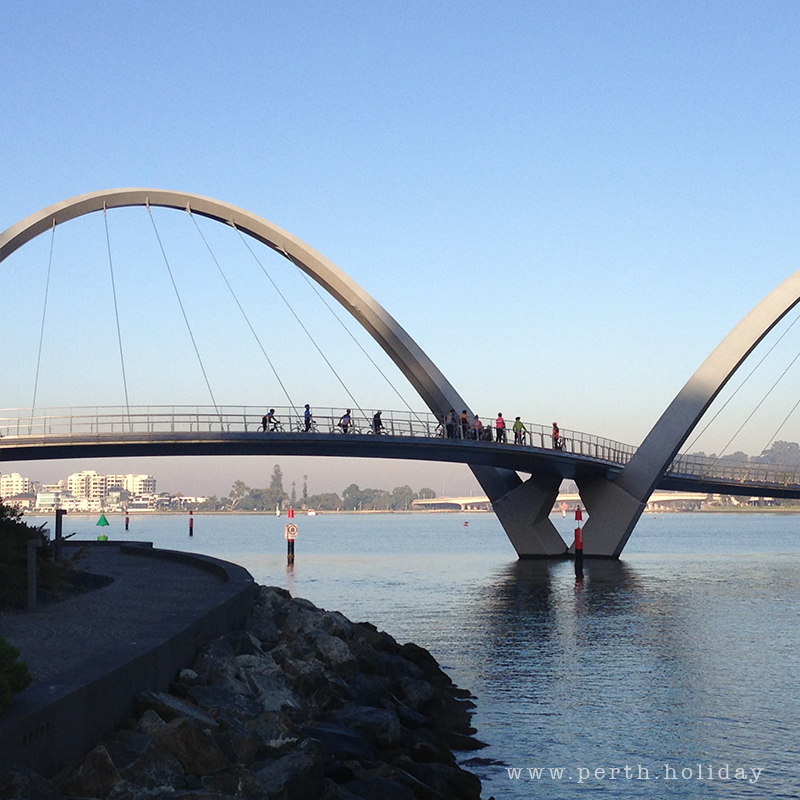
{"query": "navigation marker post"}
pixel 103 523
pixel 191 523
pixel 578 545
pixel 290 534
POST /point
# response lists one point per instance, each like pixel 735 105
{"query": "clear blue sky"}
pixel 567 204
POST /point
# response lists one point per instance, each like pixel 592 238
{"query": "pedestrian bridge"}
pixel 522 481
pixel 237 430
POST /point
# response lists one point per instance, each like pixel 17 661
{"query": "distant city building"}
pixel 90 485
pixel 87 485
pixel 13 484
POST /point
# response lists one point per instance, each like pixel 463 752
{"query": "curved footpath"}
pixel 284 701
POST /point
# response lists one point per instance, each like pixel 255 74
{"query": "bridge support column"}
pixel 523 509
pixel 613 514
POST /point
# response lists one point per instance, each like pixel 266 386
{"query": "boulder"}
pixel 27 785
pixel 342 742
pixel 95 776
pixel 244 643
pixel 235 782
pixel 334 652
pixel 299 775
pixel 417 693
pixel 378 725
pixel 449 781
pixel 372 788
pixel 193 747
pixel 169 708
pixel 126 747
pixel 216 701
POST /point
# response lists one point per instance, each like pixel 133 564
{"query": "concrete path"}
pixel 90 651
pixel 148 598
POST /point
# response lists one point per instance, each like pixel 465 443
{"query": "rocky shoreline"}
pixel 300 704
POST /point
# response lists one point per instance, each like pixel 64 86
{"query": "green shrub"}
pixel 14 676
pixel 14 537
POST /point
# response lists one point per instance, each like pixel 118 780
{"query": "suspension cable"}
pixel 758 405
pixel 116 315
pixel 294 314
pixel 244 314
pixel 750 375
pixel 183 311
pixel 319 294
pixel 44 315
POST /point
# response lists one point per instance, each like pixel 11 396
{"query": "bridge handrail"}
pixel 734 470
pixel 97 420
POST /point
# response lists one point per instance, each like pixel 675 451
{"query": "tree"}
pixel 786 453
pixel 402 497
pixel 294 495
pixel 238 492
pixel 305 490
pixel 276 481
pixel 324 502
pixel 426 494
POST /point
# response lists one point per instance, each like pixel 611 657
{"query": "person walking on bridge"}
pixel 307 418
pixel 519 431
pixel 500 428
pixel 464 421
pixel 344 421
pixel 556 435
pixel 450 424
pixel 377 423
pixel 477 429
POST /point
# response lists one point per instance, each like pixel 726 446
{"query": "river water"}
pixel 670 674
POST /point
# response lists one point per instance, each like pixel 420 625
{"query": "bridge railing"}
pixel 734 471
pixel 142 420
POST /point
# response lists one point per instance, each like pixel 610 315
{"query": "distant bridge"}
pixel 614 480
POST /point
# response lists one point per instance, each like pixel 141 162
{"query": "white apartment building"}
pixel 87 485
pixel 13 484
pixel 139 484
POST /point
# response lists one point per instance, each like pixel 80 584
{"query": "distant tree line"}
pixel 244 498
pixel 786 454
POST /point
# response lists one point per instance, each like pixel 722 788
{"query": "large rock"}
pixel 449 781
pixel 334 652
pixel 169 708
pixel 378 725
pixel 95 776
pixel 299 775
pixel 216 702
pixel 375 788
pixel 193 747
pixel 235 782
pixel 28 785
pixel 126 747
pixel 342 742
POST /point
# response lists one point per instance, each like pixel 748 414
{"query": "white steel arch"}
pixel 523 508
pixel 615 508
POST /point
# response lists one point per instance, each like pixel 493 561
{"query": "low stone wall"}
pixel 45 734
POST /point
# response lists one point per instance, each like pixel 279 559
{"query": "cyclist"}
pixel 377 422
pixel 344 421
pixel 307 418
pixel 519 431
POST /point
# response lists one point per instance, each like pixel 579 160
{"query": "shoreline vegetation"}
pixel 741 509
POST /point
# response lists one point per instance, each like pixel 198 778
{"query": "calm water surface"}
pixel 678 662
